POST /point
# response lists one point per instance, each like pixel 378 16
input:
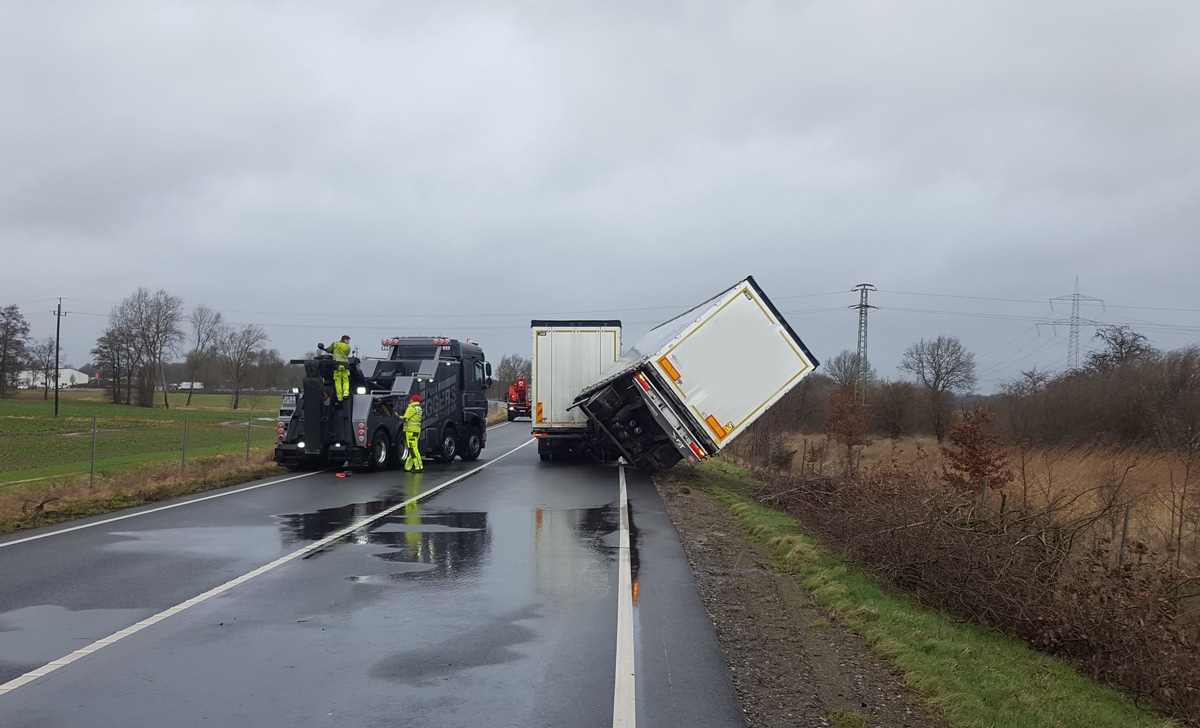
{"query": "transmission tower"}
pixel 863 307
pixel 1075 322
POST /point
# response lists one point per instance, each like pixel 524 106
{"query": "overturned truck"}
pixel 694 383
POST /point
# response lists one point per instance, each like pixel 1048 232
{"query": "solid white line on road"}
pixel 222 494
pixel 216 591
pixel 625 692
pixel 148 511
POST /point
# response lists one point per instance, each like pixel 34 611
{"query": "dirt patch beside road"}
pixel 792 665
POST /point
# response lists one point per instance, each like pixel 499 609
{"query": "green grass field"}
pixel 34 444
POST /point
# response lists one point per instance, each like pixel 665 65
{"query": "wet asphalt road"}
pixel 493 601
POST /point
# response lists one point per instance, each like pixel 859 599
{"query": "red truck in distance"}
pixel 518 399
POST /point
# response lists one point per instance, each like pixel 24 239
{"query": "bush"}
pixel 1046 573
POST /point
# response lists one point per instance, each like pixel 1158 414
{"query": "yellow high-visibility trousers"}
pixel 413 461
pixel 341 382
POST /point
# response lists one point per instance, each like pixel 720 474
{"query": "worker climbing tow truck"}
pixel 365 430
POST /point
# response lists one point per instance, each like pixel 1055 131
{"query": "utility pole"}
pixel 863 307
pixel 58 314
pixel 1075 321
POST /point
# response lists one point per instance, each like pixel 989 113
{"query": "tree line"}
pixel 145 332
pixel 1125 393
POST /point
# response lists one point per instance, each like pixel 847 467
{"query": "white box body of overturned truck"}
pixel 696 382
pixel 366 429
pixel 568 356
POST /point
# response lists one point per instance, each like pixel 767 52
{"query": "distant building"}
pixel 30 379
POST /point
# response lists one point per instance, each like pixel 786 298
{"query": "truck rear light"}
pixel 641 380
pixel 698 450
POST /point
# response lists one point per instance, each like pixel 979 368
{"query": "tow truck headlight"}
pixel 300 444
pixel 360 390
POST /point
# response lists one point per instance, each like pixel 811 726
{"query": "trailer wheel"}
pixel 473 446
pixel 381 450
pixel 448 447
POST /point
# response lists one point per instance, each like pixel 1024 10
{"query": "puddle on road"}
pixel 572 549
pixel 32 636
pixel 418 541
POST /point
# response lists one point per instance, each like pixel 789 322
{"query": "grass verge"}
pixel 132 481
pixel 75 498
pixel 975 677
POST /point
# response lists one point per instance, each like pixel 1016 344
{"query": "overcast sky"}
pixel 459 168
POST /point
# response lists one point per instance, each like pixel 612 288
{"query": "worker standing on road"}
pixel 341 375
pixel 412 435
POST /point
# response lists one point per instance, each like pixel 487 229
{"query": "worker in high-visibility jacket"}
pixel 341 375
pixel 412 434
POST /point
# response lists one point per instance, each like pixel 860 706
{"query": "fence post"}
pixel 92 476
pixel 249 417
pixel 1124 536
pixel 183 462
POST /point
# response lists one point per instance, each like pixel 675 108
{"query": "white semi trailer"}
pixel 568 356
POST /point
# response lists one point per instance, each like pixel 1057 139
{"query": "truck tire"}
pixel 511 416
pixel 472 445
pixel 381 450
pixel 448 447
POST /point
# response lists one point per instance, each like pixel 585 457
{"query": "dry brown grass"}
pixel 1071 479
pixel 65 498
pixel 1079 554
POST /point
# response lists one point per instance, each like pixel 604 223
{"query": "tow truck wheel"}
pixel 473 445
pixel 448 447
pixel 381 450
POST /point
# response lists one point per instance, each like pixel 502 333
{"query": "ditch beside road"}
pixel 792 666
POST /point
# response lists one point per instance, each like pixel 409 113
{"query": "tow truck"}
pixel 365 430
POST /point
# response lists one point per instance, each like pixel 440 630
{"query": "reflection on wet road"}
pixel 379 600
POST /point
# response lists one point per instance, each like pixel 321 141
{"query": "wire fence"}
pixel 33 449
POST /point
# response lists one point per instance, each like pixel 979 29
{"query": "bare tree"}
pixel 151 324
pixel 1122 345
pixel 206 329
pixel 41 359
pixel 845 369
pixel 848 423
pixel 511 367
pixel 941 366
pixel 239 349
pixel 113 355
pixel 892 405
pixel 14 337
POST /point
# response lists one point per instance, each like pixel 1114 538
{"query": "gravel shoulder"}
pixel 793 666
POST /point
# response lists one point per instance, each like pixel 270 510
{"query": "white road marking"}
pixel 148 511
pixel 216 591
pixel 625 692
